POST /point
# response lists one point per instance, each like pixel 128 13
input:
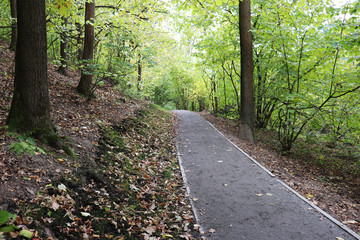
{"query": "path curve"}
pixel 234 198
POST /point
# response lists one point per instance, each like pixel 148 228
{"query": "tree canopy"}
pixel 186 55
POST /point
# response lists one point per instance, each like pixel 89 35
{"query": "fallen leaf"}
pixel 196 226
pixel 350 222
pixel 308 196
pixel 26 233
pixel 85 214
pixel 150 229
pixel 167 236
pixel 61 187
pixel 54 204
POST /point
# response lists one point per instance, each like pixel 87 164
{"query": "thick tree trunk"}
pixel 13 25
pixel 63 69
pixel 85 84
pixel 247 114
pixel 30 107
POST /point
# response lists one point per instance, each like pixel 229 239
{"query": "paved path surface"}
pixel 237 198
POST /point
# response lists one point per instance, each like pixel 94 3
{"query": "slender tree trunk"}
pixel 247 114
pixel 259 92
pixel 85 84
pixel 13 25
pixel 63 69
pixel 139 74
pixel 216 105
pixel 79 41
pixel 201 104
pixel 30 107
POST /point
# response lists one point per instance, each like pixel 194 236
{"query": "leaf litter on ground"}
pixel 125 182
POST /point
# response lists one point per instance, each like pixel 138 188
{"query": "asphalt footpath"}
pixel 233 197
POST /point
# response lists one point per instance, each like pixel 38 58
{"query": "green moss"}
pixel 113 138
pixel 68 151
pixel 52 139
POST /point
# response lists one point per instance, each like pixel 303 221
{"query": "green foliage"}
pixel 6 225
pixel 305 55
pixel 5 219
pixel 185 55
pixel 5 19
pixel 25 144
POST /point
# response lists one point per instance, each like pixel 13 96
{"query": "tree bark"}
pixel 139 74
pixel 79 41
pixel 13 25
pixel 63 69
pixel 247 114
pixel 85 84
pixel 30 107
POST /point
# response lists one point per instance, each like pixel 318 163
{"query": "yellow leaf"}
pixel 308 196
pixel 167 236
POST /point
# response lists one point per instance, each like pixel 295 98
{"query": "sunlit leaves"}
pixel 62 7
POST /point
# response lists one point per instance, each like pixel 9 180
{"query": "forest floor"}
pixel 332 187
pixel 125 182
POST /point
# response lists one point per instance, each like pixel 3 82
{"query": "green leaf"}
pixel 4 217
pixel 40 150
pixel 26 233
pixel 7 229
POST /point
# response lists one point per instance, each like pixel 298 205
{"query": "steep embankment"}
pixel 123 184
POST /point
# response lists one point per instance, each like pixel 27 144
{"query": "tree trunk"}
pixel 225 97
pixel 85 84
pixel 79 41
pixel 201 104
pixel 139 74
pixel 215 99
pixel 13 25
pixel 247 114
pixel 259 98
pixel 30 107
pixel 63 69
